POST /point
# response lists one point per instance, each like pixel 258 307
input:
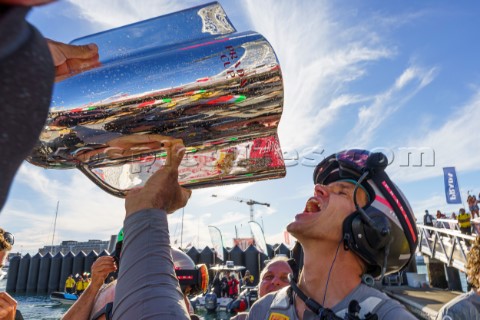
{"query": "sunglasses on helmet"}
pixel 346 164
pixel 9 237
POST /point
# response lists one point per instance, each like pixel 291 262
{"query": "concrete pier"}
pixel 422 302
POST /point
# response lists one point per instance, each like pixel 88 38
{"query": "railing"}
pixel 446 245
pixel 451 224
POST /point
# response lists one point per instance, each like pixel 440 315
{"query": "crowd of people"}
pixel 463 219
pixel 356 225
pixel 81 283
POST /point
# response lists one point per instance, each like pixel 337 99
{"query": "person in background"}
pixel 273 277
pixel 217 285
pixel 428 220
pixel 80 286
pixel 453 216
pixel 464 222
pixel 70 284
pixel 102 306
pixel 224 284
pixel 101 268
pixel 8 305
pixel 441 224
pixel 473 205
pixel 233 286
pixel 466 306
pixel 248 279
pixel 7 240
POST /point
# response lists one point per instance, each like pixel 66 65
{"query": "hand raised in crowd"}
pixel 162 190
pixel 71 59
pixel 101 268
pixel 8 307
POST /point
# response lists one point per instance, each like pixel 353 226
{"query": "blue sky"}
pixel 376 74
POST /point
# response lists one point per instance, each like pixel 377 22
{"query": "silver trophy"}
pixel 187 75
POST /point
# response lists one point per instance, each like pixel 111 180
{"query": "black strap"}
pixel 317 308
pixel 326 313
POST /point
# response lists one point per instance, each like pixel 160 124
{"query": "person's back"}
pixel 467 305
pixel 464 307
pixel 224 286
pixel 217 286
pixel 427 219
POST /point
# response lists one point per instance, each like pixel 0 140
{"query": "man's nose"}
pixel 277 281
pixel 321 190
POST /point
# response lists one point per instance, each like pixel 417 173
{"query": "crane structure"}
pixel 249 202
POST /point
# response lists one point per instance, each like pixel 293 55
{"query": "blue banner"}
pixel 452 192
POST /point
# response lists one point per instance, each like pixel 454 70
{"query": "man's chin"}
pixel 294 229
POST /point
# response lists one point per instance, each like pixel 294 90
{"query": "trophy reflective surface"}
pixel 187 75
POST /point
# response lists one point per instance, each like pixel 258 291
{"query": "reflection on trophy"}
pixel 187 75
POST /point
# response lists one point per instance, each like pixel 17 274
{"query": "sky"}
pixel 381 75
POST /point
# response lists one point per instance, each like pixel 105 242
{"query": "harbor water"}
pixel 40 307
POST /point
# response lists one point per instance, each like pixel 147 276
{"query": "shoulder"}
pixel 374 301
pixel 240 316
pixel 460 308
pixel 261 308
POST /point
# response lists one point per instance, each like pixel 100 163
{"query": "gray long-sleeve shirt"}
pixel 147 287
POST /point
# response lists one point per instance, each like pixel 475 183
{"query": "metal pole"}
pixel 181 234
pixel 55 225
pixel 251 217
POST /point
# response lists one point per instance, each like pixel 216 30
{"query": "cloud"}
pixel 317 66
pixel 386 104
pixel 451 142
pixel 85 212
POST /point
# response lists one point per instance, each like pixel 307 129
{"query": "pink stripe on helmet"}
pixel 399 205
pixel 383 201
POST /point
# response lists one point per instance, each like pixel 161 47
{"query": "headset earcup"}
pixel 379 237
pixel 364 240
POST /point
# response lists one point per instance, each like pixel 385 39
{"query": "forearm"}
pixel 147 286
pixel 82 308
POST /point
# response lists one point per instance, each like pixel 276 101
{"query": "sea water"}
pixel 41 307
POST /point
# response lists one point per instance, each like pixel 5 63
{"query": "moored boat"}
pixel 63 297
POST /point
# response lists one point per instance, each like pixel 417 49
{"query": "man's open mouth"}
pixel 312 205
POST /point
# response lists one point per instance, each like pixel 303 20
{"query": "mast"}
pixel 55 226
pixel 181 234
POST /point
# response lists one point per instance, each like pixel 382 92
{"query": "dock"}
pixel 422 302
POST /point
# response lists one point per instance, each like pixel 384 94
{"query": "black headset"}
pixel 367 231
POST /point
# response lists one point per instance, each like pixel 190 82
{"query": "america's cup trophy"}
pixel 187 75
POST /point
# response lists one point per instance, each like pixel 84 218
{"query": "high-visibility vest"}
pixel 80 285
pixel 70 283
pixel 464 220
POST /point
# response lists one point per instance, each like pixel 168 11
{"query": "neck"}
pixel 345 274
